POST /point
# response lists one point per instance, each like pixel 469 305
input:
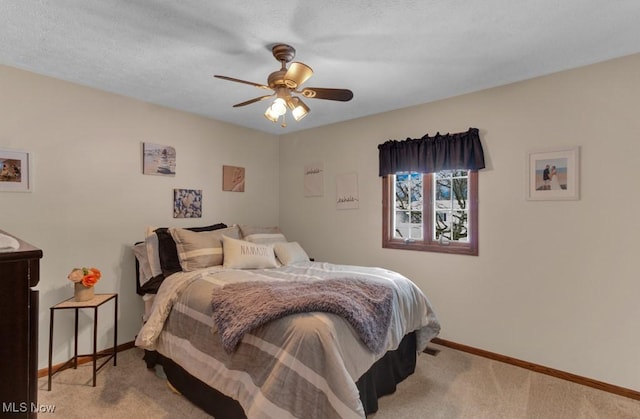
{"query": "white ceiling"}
pixel 391 53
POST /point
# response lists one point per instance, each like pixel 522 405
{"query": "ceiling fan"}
pixel 286 84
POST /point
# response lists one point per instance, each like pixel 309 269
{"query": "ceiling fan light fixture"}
pixel 276 110
pixel 270 116
pixel 279 107
pixel 298 108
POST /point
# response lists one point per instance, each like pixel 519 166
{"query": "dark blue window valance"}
pixel 432 154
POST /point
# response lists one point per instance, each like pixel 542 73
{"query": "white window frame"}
pixel 427 243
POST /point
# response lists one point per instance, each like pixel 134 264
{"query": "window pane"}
pixel 408 206
pixel 443 193
pixel 402 194
pixel 460 193
pixel 402 217
pixel 416 231
pixel 460 226
pixel 441 224
pixel 416 192
pixel 402 229
pixel 451 196
pixel 402 232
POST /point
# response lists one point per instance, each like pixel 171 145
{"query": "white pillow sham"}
pixel 153 254
pixel 262 235
pixel 291 252
pixel 144 268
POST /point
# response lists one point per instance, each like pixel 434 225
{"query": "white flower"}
pixel 76 275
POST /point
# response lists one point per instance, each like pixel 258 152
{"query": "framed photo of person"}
pixel 553 174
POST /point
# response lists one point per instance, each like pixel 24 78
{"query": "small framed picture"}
pixel 553 174
pixel 233 178
pixel 347 191
pixel 158 160
pixel 15 171
pixel 314 179
pixel 187 203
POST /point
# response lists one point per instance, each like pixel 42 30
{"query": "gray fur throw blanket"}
pixel 241 307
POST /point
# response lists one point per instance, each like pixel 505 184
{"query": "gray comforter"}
pixel 303 365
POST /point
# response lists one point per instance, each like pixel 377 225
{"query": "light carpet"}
pixel 452 384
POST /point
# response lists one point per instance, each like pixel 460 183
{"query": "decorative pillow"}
pixel 169 261
pixel 291 252
pixel 197 250
pixel 262 235
pixel 241 254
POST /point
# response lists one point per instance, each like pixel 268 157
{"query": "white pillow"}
pixel 153 254
pixel 144 268
pixel 289 253
pixel 262 235
pixel 241 254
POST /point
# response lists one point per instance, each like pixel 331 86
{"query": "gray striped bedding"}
pixel 300 366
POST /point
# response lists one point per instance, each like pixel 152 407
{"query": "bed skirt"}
pixel 381 379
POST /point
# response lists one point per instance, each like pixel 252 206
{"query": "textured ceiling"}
pixel 392 54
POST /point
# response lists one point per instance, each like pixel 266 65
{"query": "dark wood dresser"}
pixel 19 271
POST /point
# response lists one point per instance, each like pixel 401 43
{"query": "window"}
pixel 430 192
pixel 436 212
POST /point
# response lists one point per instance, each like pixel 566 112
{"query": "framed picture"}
pixel 15 169
pixel 187 203
pixel 313 179
pixel 158 160
pixel 347 191
pixel 233 178
pixel 553 174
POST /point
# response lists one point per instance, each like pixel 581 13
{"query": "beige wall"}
pixel 90 201
pixel 556 282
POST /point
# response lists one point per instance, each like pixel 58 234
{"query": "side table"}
pixel 95 303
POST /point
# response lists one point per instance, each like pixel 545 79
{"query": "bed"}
pixel 246 325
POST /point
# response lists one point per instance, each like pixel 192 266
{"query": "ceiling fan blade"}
pixel 343 95
pixel 250 83
pixel 254 100
pixel 297 74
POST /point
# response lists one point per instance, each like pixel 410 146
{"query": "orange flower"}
pixel 87 276
pixel 96 272
pixel 91 276
pixel 89 280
